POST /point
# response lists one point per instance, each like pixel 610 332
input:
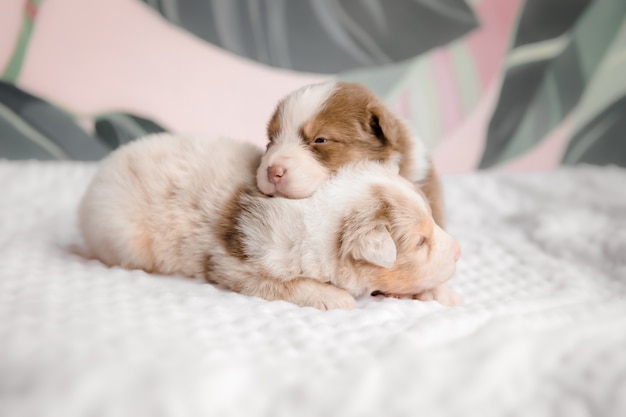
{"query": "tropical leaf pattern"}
pixel 116 129
pixel 436 92
pixel 325 36
pixel 537 47
pixel 599 141
pixel 547 71
pixel 31 128
pixel 515 84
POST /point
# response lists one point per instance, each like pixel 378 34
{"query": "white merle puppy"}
pixel 190 206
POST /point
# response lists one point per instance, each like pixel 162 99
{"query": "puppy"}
pixel 319 128
pixel 190 206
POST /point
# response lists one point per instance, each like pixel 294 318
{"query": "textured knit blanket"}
pixel 542 331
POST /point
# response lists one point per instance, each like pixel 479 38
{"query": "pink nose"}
pixel 275 173
pixel 456 251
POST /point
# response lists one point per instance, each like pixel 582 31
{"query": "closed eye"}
pixel 421 242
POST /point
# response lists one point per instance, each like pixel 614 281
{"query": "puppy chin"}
pixel 266 187
pixel 291 186
pixel 283 190
pixel 448 273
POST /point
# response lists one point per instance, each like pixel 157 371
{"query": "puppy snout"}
pixel 456 251
pixel 275 173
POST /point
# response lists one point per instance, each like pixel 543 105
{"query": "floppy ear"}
pixel 387 127
pixel 392 132
pixel 373 245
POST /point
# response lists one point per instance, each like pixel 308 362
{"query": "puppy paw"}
pixel 325 297
pixel 441 294
pixel 339 300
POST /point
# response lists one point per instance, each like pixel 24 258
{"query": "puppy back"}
pixel 151 201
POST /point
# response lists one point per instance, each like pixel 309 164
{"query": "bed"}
pixel 542 331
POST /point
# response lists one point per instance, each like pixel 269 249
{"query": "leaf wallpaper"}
pixel 515 84
pixel 548 71
pixel 599 141
pixel 33 128
pixel 325 36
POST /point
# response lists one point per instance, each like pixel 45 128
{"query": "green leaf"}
pixel 601 141
pixel 116 129
pixel 547 75
pixel 33 128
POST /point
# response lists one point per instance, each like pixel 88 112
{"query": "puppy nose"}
pixel 275 173
pixel 456 250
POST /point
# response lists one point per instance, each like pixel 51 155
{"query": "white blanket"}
pixel 542 331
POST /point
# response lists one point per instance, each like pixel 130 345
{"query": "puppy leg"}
pixel 431 186
pixel 442 294
pixel 304 292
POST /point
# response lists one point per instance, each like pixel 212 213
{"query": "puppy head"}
pixel 318 129
pixel 394 243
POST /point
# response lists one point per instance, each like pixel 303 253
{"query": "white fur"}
pixel 378 248
pixel 158 204
pixel 420 155
pixel 302 105
pixel 305 174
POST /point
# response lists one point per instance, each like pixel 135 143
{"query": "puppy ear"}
pixel 386 126
pixel 373 245
pixel 375 127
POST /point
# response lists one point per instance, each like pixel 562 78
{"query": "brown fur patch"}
pixel 227 226
pixel 347 225
pixel 228 231
pixel 385 207
pixel 231 237
pixel 345 121
pixel 208 268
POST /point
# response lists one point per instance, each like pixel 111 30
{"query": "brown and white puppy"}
pixel 319 128
pixel 190 206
